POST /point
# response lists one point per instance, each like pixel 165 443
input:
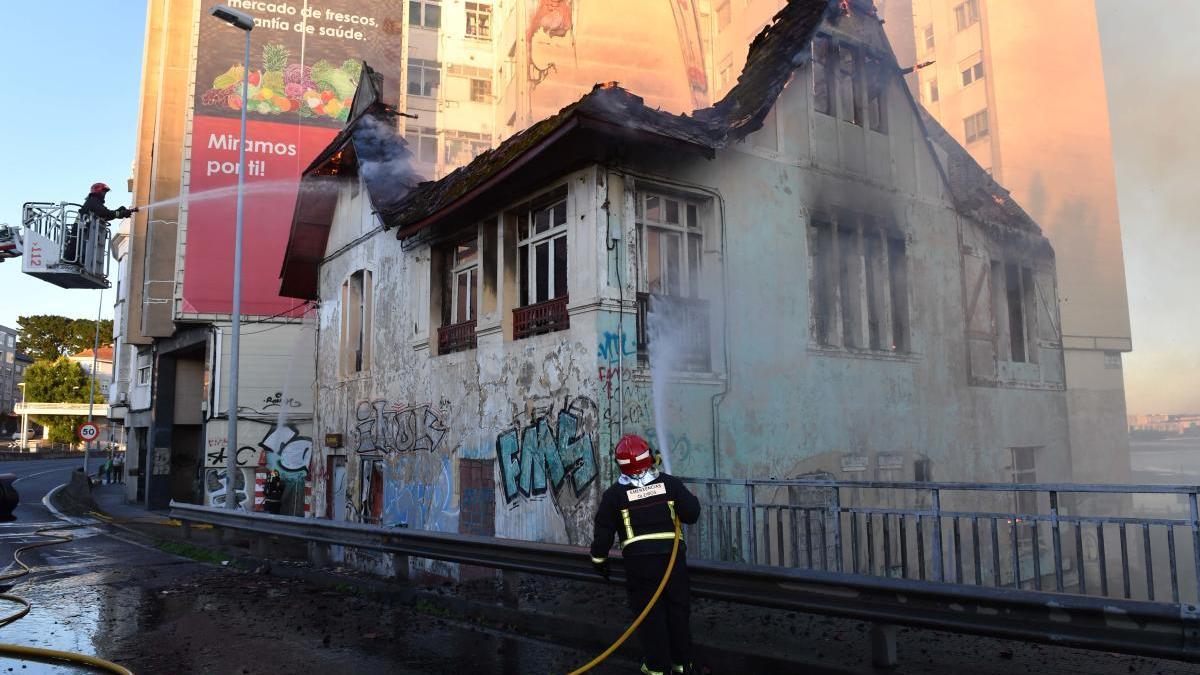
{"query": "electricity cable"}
pixel 645 610
pixel 39 653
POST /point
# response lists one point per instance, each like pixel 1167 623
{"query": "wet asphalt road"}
pixel 155 612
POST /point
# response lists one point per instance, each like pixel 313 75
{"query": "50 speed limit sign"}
pixel 87 431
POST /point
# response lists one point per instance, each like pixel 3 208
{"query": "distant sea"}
pixel 1170 460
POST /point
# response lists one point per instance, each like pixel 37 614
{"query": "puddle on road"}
pixel 73 614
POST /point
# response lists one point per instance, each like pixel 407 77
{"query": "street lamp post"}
pixel 87 447
pixel 245 23
pixel 24 419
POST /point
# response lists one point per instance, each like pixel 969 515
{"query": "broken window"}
pixel 975 127
pixel 670 253
pixel 1024 471
pixel 822 82
pixel 859 284
pixel 425 14
pixel 463 146
pixel 1014 303
pixel 423 142
pixel 929 37
pixel 479 20
pixel 967 14
pixel 424 77
pixel 355 343
pixel 877 78
pixel 974 71
pixel 849 84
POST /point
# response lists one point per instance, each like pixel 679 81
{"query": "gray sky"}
pixel 1153 79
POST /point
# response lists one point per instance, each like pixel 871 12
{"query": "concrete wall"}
pixel 513 438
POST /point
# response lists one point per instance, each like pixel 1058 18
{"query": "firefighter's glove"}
pixel 601 568
pixel 122 212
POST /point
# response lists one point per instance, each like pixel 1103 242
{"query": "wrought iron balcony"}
pixel 544 317
pixel 456 337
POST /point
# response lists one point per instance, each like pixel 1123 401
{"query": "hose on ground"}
pixel 39 653
pixel 645 610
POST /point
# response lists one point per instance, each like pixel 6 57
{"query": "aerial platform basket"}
pixel 64 247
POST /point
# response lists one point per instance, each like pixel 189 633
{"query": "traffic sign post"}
pixel 87 432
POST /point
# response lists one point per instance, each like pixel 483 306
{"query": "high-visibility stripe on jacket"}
pixel 642 519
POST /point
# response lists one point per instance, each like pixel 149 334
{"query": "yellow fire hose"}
pixel 39 653
pixel 645 610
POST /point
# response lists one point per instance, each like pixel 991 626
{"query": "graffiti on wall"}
pixel 286 448
pixel 549 449
pixel 215 488
pixel 383 427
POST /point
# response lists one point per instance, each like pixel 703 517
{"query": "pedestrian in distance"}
pixel 119 467
pixel 643 508
pixel 273 492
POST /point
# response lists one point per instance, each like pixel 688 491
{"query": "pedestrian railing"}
pixel 1170 630
pixel 1079 539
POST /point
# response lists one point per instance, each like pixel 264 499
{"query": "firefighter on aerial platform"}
pixel 93 209
pixel 642 506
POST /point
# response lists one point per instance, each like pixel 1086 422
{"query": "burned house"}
pixel 808 277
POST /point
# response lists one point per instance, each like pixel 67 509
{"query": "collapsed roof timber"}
pixel 595 129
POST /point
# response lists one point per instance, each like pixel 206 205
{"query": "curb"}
pixel 48 502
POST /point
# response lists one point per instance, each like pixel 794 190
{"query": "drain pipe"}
pixel 611 244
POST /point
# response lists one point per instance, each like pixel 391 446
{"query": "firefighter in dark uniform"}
pixel 93 208
pixel 642 507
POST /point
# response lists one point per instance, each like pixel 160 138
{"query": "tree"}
pixel 45 337
pixel 59 381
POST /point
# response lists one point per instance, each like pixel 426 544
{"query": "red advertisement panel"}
pixel 304 69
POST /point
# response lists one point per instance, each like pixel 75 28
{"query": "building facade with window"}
pixel 807 278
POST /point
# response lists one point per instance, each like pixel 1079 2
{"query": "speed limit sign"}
pixel 87 431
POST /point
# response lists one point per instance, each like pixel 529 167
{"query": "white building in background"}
pixel 101 360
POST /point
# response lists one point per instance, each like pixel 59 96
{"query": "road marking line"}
pixel 43 473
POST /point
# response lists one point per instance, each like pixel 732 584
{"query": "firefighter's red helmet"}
pixel 633 455
pixel 99 188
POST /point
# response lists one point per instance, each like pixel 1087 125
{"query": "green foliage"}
pixel 189 551
pixel 45 337
pixel 320 69
pixel 59 381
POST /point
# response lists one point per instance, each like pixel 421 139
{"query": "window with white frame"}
pixel 424 77
pixel 355 344
pixel 670 243
pixel 425 14
pixel 975 127
pixel 479 20
pixel 143 369
pixel 542 249
pixel 972 70
pixel 670 246
pixel 464 280
pixel 423 143
pixel 967 14
pixel 929 43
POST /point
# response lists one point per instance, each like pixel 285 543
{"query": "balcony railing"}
pixel 456 337
pixel 688 319
pixel 544 317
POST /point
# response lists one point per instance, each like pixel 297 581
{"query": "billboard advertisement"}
pixel 305 62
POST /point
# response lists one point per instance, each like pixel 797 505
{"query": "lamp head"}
pixel 233 17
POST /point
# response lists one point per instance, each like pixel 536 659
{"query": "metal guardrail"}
pixel 1168 630
pixel 1069 538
